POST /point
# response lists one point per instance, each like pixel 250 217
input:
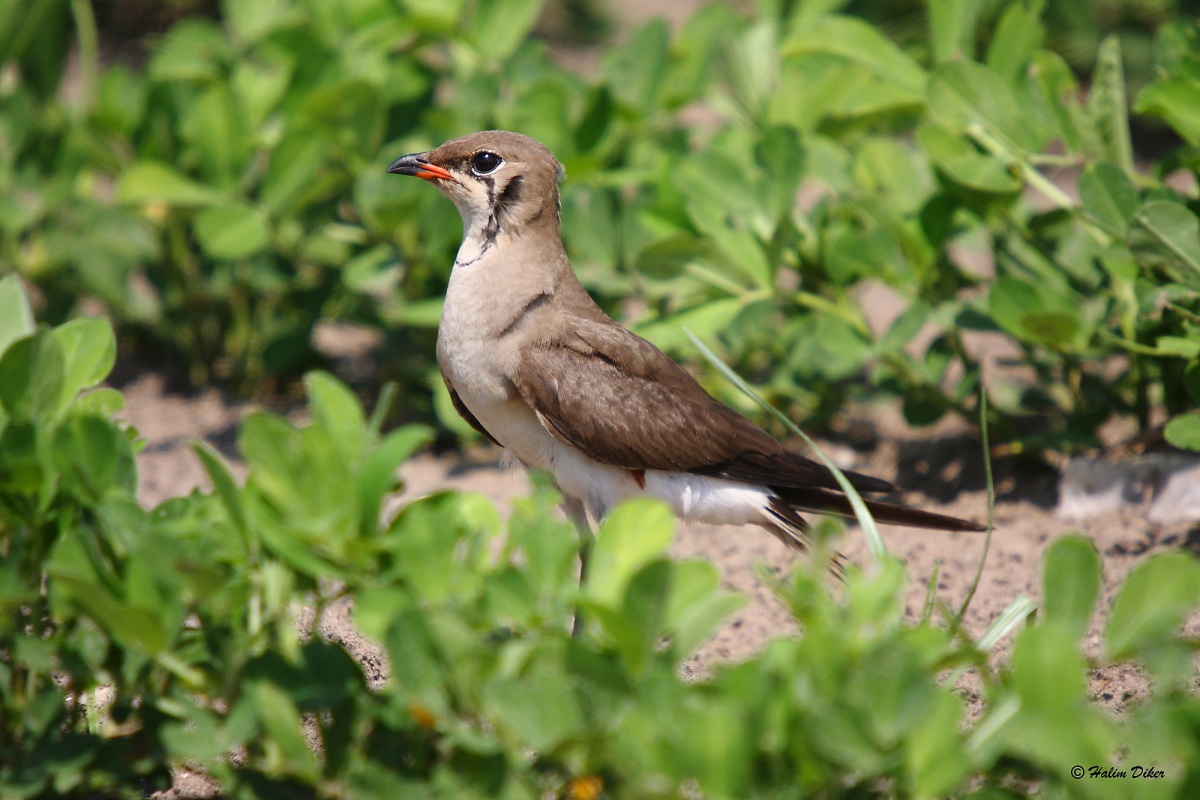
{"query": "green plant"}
pixel 231 195
pixel 173 634
pixel 821 99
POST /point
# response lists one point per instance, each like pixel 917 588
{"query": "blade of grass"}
pixel 930 596
pixel 865 520
pixel 991 510
pixel 1013 616
pixel 386 397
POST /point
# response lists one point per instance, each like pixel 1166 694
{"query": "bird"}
pixel 538 368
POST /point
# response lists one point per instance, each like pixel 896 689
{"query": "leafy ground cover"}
pixel 226 195
pixel 173 633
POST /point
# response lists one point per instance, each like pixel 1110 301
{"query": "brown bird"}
pixel 534 365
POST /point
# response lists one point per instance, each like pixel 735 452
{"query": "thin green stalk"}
pixel 847 313
pixel 91 710
pixel 382 406
pixel 865 520
pixel 716 279
pixel 1035 178
pixel 1031 175
pixel 931 593
pixel 991 508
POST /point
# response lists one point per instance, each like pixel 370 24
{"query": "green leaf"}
pixel 212 125
pixel 252 21
pixel 540 710
pixel 895 168
pixel 753 66
pixel 336 411
pixel 1018 35
pixel 635 72
pixel 861 43
pixel 104 402
pixel 1178 346
pixel 89 351
pixel 1184 431
pixel 296 163
pixel 1175 228
pixel 1192 378
pixel 133 627
pixel 636 533
pixel 1070 584
pixel 635 628
pixel 233 232
pixel 431 540
pixel 549 546
pixel 952 29
pixel 154 182
pixel 781 152
pixel 964 165
pixel 497 28
pixel 16 318
pixel 224 486
pixel 1109 195
pixel 905 328
pixel 378 475
pixel 1055 89
pixel 1054 725
pixel 193 50
pixel 258 87
pixel 94 456
pixel 1152 604
pixel 1176 100
pixel 696 605
pixel 31 377
pixel 1034 313
pixel 965 96
pixel 435 14
pixel 934 749
pixel 283 740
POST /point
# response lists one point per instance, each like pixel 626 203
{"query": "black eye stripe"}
pixel 511 194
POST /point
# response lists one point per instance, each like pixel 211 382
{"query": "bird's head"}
pixel 501 182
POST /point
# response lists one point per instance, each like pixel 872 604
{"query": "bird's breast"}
pixel 477 360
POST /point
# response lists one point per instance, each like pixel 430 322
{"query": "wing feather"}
pixel 629 405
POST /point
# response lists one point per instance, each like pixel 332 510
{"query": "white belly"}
pixel 693 498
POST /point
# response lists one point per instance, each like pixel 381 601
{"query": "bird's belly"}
pixel 693 498
pixel 514 425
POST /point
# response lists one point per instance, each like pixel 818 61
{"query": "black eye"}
pixel 485 162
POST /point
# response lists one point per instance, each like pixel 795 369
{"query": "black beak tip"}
pixel 405 165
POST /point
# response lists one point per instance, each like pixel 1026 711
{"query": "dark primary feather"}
pixel 824 501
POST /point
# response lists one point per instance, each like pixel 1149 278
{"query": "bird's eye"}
pixel 485 162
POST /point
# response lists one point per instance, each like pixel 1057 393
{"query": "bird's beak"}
pixel 416 164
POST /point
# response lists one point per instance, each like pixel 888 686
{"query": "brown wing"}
pixel 466 414
pixel 622 401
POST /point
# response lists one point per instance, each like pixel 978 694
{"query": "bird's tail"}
pixel 787 504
